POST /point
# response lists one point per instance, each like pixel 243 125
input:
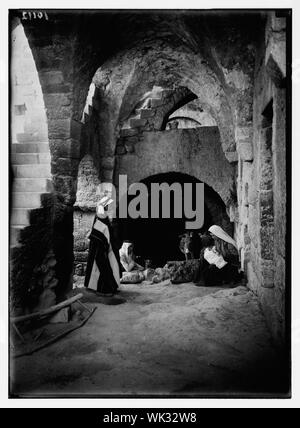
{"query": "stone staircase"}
pixel 32 178
pixel 143 116
pixel 150 111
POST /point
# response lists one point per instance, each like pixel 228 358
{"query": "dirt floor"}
pixel 174 340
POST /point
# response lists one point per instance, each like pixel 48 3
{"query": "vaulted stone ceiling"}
pixel 125 54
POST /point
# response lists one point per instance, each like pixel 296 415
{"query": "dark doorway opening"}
pixel 158 239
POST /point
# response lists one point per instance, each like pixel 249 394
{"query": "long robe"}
pixel 102 272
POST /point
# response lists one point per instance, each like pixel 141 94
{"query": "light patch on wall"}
pixel 237 79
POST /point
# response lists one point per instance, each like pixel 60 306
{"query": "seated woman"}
pixel 102 272
pixel 218 259
pixel 132 271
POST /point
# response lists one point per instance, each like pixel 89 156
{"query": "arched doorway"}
pixel 158 239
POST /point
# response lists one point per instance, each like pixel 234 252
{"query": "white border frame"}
pixel 135 402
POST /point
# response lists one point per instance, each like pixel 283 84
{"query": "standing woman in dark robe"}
pixel 102 272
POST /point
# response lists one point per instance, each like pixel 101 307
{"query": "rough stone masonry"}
pixel 144 68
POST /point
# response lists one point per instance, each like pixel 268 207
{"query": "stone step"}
pixel 32 171
pixel 128 132
pixel 42 185
pixel 27 137
pixel 166 93
pixel 20 216
pixel 27 200
pixel 15 234
pixel 145 113
pixel 136 122
pixel 156 102
pixel 30 158
pixel 40 147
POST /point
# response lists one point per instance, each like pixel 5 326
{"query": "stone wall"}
pixel 196 152
pixel 262 182
pixel 234 65
pixel 84 209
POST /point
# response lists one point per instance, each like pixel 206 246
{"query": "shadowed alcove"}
pixel 158 239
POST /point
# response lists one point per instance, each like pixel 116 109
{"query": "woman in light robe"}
pixel 102 272
pixel 132 271
pixel 127 258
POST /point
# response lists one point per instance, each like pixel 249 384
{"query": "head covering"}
pixel 220 233
pixel 102 206
pixel 125 247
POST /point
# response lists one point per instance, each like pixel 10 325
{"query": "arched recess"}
pixel 158 238
pixel 193 110
pixel 182 122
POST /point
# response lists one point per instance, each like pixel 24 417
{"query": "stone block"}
pixel 57 88
pixel 80 245
pixel 252 194
pixel 128 132
pixel 30 158
pixel 65 166
pixel 244 133
pixel 27 137
pixel 156 102
pixel 37 147
pixel 131 140
pixel 146 113
pixel 137 123
pixel 121 150
pixel 65 185
pixel 166 93
pixel 19 216
pixel 48 57
pixel 32 171
pixel 245 150
pixel 267 273
pixel 232 157
pixel 129 146
pixel 63 112
pixel 253 280
pixel 26 200
pixel 53 77
pixel 64 129
pixel 266 201
pixel 40 185
pixel 53 101
pixel 278 23
pixel 107 162
pixel 69 148
pixel 233 213
pixel 81 256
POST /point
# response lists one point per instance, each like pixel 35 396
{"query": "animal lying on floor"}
pixel 190 245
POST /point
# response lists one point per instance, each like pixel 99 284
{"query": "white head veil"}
pixel 101 205
pixel 124 249
pixel 220 233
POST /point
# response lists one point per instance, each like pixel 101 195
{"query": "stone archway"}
pixel 158 238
